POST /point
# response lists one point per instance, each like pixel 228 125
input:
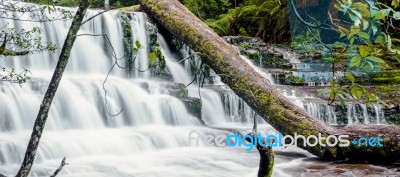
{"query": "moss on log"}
pixel 262 96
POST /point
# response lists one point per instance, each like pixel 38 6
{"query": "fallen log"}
pixel 264 97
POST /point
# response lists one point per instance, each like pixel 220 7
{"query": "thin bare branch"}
pixel 59 168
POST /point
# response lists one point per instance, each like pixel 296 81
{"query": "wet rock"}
pixel 193 105
pixel 392 115
pixel 176 89
pixel 145 86
pixel 252 54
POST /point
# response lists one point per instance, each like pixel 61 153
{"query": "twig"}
pixel 195 75
pixel 59 168
pixel 196 53
pixel 105 92
pixel 94 16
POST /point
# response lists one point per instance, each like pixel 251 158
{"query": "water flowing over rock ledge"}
pixel 150 137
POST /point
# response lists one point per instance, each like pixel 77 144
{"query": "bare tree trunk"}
pixel 51 90
pixel 263 96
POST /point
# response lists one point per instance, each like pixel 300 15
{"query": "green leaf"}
pixel 374 29
pixel 375 59
pixel 389 42
pixel 395 3
pixel 365 24
pixel 350 77
pixel 355 61
pixel 352 40
pixel 363 35
pixel 342 102
pixel 396 15
pixel 343 30
pixel 332 83
pixel 379 15
pixel 152 57
pixel 138 45
pixel 379 39
pixel 363 51
pixel 385 11
pixel 356 92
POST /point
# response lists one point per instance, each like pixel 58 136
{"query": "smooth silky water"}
pixel 149 138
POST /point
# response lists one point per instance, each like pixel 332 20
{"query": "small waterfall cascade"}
pixel 331 114
pixel 237 109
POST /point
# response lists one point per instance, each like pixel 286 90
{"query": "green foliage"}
pixel 304 41
pixel 245 45
pixel 366 19
pixel 293 80
pixel 247 17
pixel 351 90
pixel 118 3
pixel 130 50
pixel 208 9
pixel 93 3
pixel 13 76
pixel 152 58
pixel 27 40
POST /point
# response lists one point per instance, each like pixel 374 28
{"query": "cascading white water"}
pixel 212 109
pixel 177 71
pixel 237 109
pixel 259 70
pixel 78 123
pixel 148 138
pixel 320 109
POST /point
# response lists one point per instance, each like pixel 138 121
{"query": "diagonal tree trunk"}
pixel 263 97
pixel 51 90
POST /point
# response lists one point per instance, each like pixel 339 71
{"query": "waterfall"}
pixel 237 109
pixel 149 138
pixel 80 124
pixel 150 135
pixel 318 108
pixel 259 70
pixel 178 72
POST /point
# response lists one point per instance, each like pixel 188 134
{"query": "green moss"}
pixel 131 8
pixel 288 78
pixel 245 45
pixel 386 74
pixel 158 66
pixel 391 80
pixel 183 91
pixel 252 54
pixel 127 41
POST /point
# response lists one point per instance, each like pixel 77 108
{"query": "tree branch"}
pixel 268 101
pixel 48 97
pixel 59 168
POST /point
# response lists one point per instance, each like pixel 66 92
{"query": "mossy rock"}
pixel 176 89
pixel 193 105
pixel 389 80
